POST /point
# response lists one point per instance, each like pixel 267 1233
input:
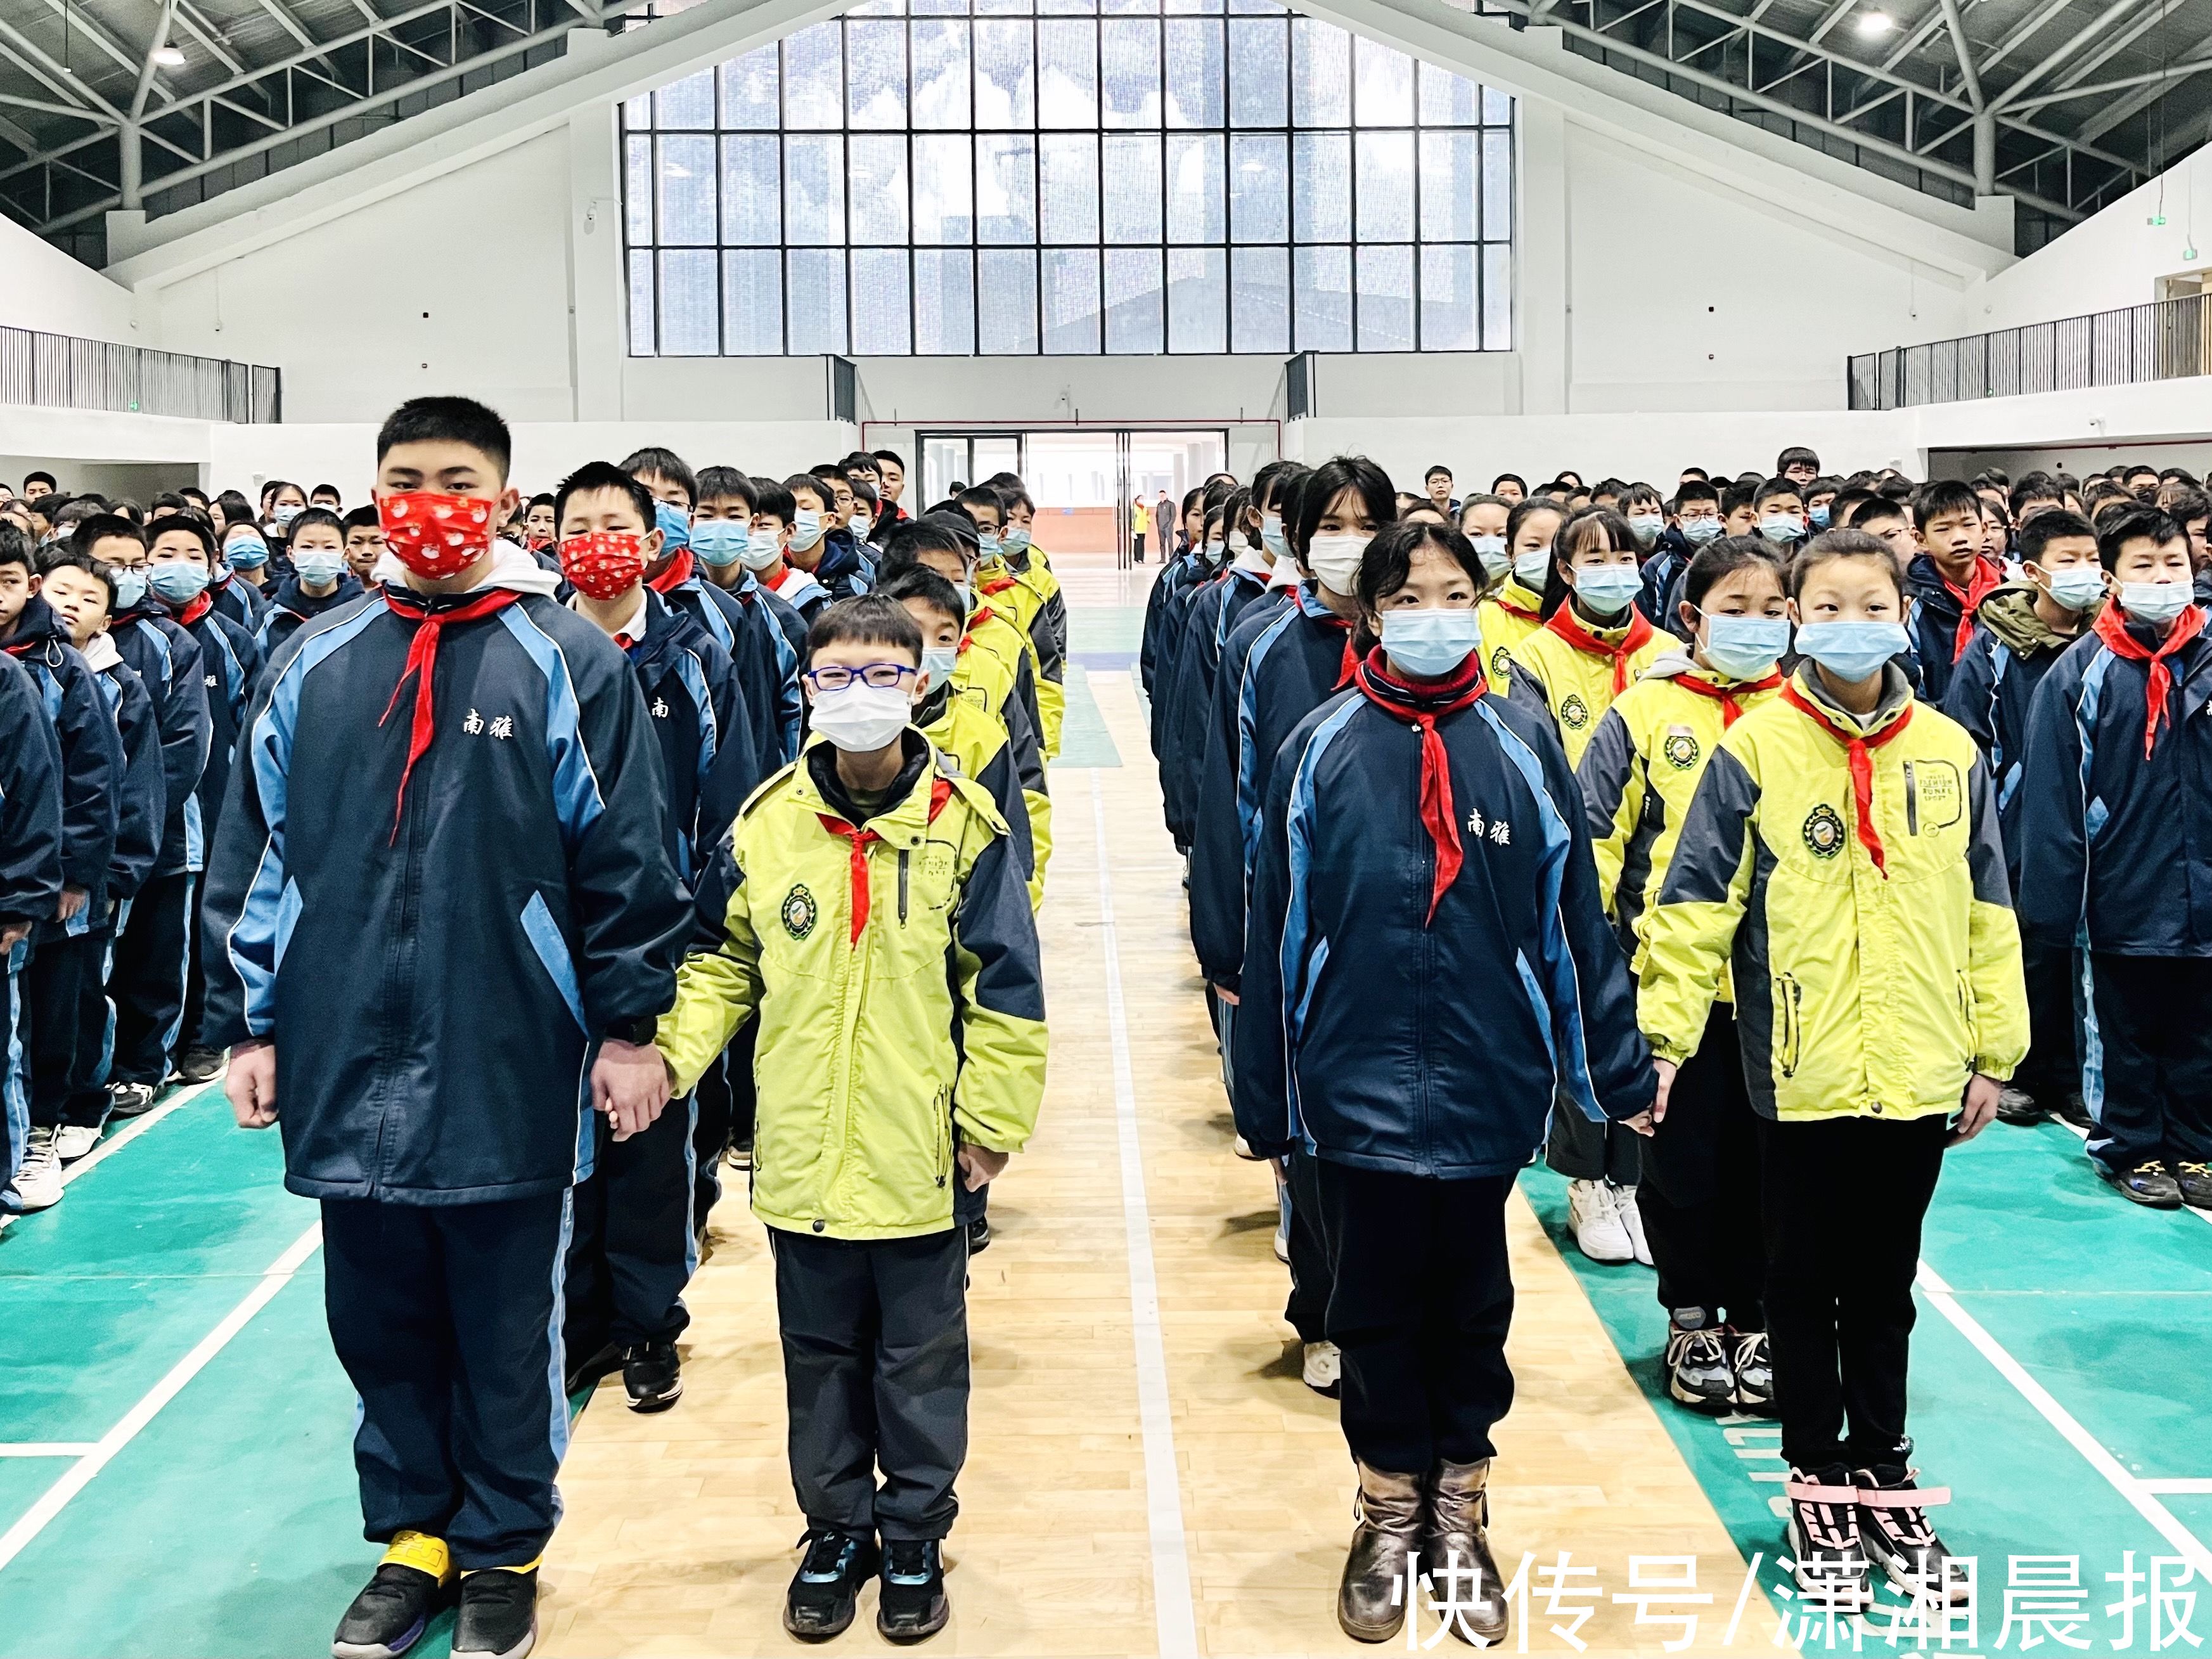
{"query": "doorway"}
pixel 1086 481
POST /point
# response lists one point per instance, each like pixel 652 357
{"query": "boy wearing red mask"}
pixel 639 1221
pixel 472 837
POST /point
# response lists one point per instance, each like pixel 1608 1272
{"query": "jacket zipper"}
pixel 903 856
pixel 1911 802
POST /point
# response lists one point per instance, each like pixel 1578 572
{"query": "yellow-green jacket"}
pixel 1858 993
pixel 1578 684
pixel 1031 598
pixel 868 960
pixel 967 731
pixel 1507 617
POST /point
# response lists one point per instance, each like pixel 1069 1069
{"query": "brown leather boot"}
pixel 1370 1601
pixel 1464 1585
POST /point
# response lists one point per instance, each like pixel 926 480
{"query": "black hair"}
pixel 1433 472
pixel 1796 455
pixel 1013 493
pixel 1567 475
pixel 1266 476
pixel 1878 509
pixel 1827 484
pixel 720 483
pixel 1735 498
pixel 1582 525
pixel 1508 477
pixel 194 493
pixel 817 488
pixel 2047 527
pixel 325 490
pixel 199 527
pixel 667 464
pixel 864 492
pixel 1527 508
pixel 541 499
pixel 45 478
pixel 1388 561
pixel 2135 524
pixel 2036 487
pixel 1638 495
pixel 1723 557
pixel 276 487
pixel 772 500
pixel 1943 496
pixel 16 547
pixel 1328 481
pixel 106 526
pixel 858 457
pixel 977 495
pixel 1777 485
pixel 893 457
pixel 451 420
pixel 1695 489
pixel 1486 500
pixel 171 500
pixel 2189 506
pixel 1832 545
pixel 312 517
pixel 361 518
pixel 234 507
pixel 595 475
pixel 868 619
pixel 930 533
pixel 919 581
pixel 1696 473
pixel 82 506
pixel 1846 502
pixel 831 473
pixel 74 558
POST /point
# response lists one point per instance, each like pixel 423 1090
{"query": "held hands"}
pixel 1976 1109
pixel 630 1083
pixel 250 1083
pixel 72 902
pixel 979 1166
pixel 13 932
pixel 1645 1122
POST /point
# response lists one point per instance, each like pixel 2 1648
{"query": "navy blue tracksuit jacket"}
pixel 91 756
pixel 166 659
pixel 1992 689
pixel 230 665
pixel 141 806
pixel 765 642
pixel 448 975
pixel 30 838
pixel 1186 568
pixel 1206 626
pixel 1387 1041
pixel 1934 627
pixel 698 711
pixel 239 599
pixel 293 605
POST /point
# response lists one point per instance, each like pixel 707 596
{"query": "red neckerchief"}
pixel 200 604
pixel 1421 707
pixel 1861 763
pixel 1726 695
pixel 940 791
pixel 1569 627
pixel 2112 630
pixel 422 662
pixel 1988 575
pixel 677 574
pixel 1000 586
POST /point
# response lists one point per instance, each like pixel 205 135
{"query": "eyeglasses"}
pixel 884 676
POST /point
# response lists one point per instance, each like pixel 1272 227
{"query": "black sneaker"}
pixel 390 1614
pixel 1830 1561
pixel 2017 1106
pixel 913 1607
pixel 2074 1111
pixel 825 1591
pixel 2148 1184
pixel 586 1372
pixel 979 1235
pixel 2195 1182
pixel 1754 1372
pixel 197 1064
pixel 1899 1538
pixel 499 1614
pixel 131 1099
pixel 1700 1370
pixel 652 1375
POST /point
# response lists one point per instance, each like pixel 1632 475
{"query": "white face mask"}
pixel 762 549
pixel 2150 602
pixel 862 718
pixel 1491 549
pixel 1529 569
pixel 1335 561
pixel 862 524
pixel 806 530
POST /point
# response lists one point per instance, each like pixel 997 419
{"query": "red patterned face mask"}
pixel 434 535
pixel 603 564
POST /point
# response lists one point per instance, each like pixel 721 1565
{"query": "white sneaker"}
pixel 73 1141
pixel 1593 1219
pixel 1244 1150
pixel 1633 1219
pixel 38 1183
pixel 1323 1368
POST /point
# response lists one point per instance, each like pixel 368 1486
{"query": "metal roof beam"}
pixel 2089 30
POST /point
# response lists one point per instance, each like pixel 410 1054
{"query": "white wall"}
pixel 43 287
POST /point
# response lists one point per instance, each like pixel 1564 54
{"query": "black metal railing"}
pixel 2164 340
pixel 61 371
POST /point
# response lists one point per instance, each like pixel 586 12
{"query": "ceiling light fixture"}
pixel 169 56
pixel 1872 23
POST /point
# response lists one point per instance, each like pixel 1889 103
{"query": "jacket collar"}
pixel 2009 613
pixel 99 653
pixel 1896 696
pixel 902 821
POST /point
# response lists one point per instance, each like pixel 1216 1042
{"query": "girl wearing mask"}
pixel 243 583
pixel 1515 609
pixel 1842 854
pixel 1482 521
pixel 1699 1200
pixel 1421 838
pixel 283 503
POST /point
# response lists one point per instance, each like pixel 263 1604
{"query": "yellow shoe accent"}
pixel 530 1565
pixel 423 1553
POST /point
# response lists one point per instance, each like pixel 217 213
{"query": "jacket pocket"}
pixel 544 936
pixel 1966 1039
pixel 1789 1023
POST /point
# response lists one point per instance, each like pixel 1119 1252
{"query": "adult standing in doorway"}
pixel 1139 521
pixel 1163 519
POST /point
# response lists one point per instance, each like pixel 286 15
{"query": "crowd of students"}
pixel 1738 850
pixel 673 818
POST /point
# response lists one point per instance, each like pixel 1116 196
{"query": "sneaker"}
pixel 586 1375
pixel 825 1591
pixel 38 1183
pixel 740 1156
pixel 1632 1220
pixel 197 1064
pixel 2195 1182
pixel 913 1607
pixel 1321 1368
pixel 979 1235
pixel 73 1141
pixel 1244 1150
pixel 652 1375
pixel 1754 1372
pixel 390 1614
pixel 1593 1219
pixel 499 1614
pixel 1283 1224
pixel 1895 1528
pixel 1700 1371
pixel 2148 1184
pixel 2017 1106
pixel 1830 1562
pixel 2076 1113
pixel 131 1099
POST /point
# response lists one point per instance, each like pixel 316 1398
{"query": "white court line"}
pixel 131 1129
pixel 2137 1493
pixel 274 1278
pixel 1176 1623
pixel 44 1448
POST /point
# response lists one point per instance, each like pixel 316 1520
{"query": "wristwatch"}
pixel 638 1030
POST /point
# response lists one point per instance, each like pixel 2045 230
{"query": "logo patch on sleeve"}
pixel 798 912
pixel 1824 832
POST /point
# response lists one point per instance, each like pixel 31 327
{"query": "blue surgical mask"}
pixel 1430 643
pixel 1819 515
pixel 1529 569
pixel 176 582
pixel 1016 539
pixel 1698 532
pixel 246 553
pixel 939 661
pixel 1780 527
pixel 992 546
pixel 805 528
pixel 2078 586
pixel 1270 534
pixel 720 542
pixel 284 513
pixel 130 588
pixel 1851 650
pixel 675 527
pixel 967 597
pixel 1647 526
pixel 319 565
pixel 1491 549
pixel 1608 589
pixel 1746 647
pixel 763 548
pixel 2155 602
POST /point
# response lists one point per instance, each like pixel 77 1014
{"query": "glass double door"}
pixel 1087 483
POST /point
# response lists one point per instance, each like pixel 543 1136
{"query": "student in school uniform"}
pixel 784 548
pixel 819 543
pixel 767 650
pixel 1359 1037
pixel 637 1225
pixel 1842 849
pixel 180 566
pixel 148 973
pixel 1030 597
pixel 82 593
pixel 1030 565
pixel 869 879
pixel 30 888
pixel 1696 514
pixel 2021 628
pixel 2114 791
pixel 1949 578
pixel 1699 1200
pixel 488 869
pixel 1179 568
pixel 249 572
pixel 320 580
pixel 364 544
pixel 65 945
pixel 1515 609
pixel 1205 628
